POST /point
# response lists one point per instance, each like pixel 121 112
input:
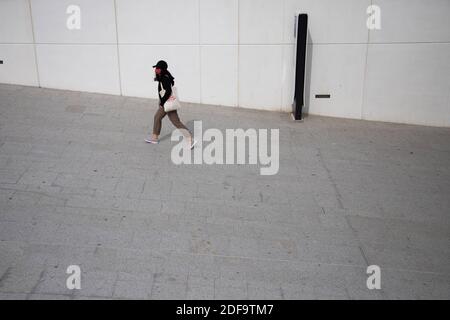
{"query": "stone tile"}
pixel 12 296
pixel 314 251
pixel 414 259
pixel 175 241
pixel 401 285
pixel 257 293
pixel 40 296
pixel 200 293
pixel 11 176
pixel 98 284
pixel 244 247
pixel 38 177
pixel 21 278
pixel 230 293
pixel 168 291
pixel 132 289
pixel 216 245
pixel 127 187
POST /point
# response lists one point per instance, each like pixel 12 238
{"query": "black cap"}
pixel 161 64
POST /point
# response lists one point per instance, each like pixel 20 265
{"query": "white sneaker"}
pixel 149 140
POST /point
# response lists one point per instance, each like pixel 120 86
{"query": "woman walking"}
pixel 165 83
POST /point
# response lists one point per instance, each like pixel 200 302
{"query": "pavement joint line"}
pixel 330 177
pixel 355 234
pixel 34 192
pixel 40 280
pixel 5 275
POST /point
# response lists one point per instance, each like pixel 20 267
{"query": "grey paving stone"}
pixel 201 281
pixel 204 266
pixel 11 176
pixel 40 296
pixel 103 185
pixel 401 285
pixel 216 245
pixel 54 283
pixel 299 294
pixel 149 206
pixel 14 148
pixel 87 235
pixel 79 185
pixel 71 180
pixel 169 291
pixel 21 278
pixel 327 253
pixel 200 293
pixel 229 282
pixel 244 247
pixel 97 283
pixel 24 198
pixel 132 289
pixel 146 240
pixel 137 264
pixel 278 249
pixel 414 259
pixel 129 187
pixel 175 241
pixel 38 177
pixel 230 293
pixel 12 296
pixel 258 293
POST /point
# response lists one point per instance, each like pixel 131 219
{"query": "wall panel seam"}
pixel 199 52
pixel 117 46
pixel 34 45
pixel 362 115
pixel 283 57
pixel 238 50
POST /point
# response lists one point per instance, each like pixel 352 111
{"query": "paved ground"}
pixel 79 186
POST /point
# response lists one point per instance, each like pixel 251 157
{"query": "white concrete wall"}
pixel 16 44
pixel 240 52
pixel 408 64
